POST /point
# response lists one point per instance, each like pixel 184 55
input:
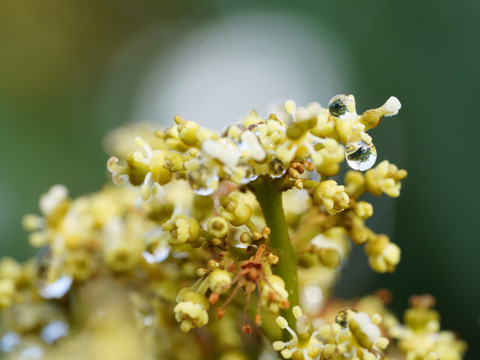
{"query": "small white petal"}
pixel 392 106
pixel 53 198
pixel 257 150
pixel 227 155
pixel 366 326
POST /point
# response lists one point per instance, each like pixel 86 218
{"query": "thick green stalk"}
pixel 269 195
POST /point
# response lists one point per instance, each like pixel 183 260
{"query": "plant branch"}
pixel 269 195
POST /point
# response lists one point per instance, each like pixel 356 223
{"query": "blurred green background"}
pixel 72 70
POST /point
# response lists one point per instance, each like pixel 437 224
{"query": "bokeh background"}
pixel 71 70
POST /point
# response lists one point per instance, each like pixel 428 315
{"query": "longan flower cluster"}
pixel 256 147
pixel 370 333
pixel 203 224
pixel 420 336
pixel 354 335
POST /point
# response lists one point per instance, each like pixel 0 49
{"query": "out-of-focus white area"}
pixel 312 297
pixel 219 71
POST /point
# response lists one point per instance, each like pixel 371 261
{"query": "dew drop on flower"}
pixel 233 131
pixel 254 129
pixel 157 255
pixel 55 289
pixel 343 316
pixel 250 175
pixel 54 331
pixel 377 353
pixel 203 180
pixel 276 169
pixel 360 155
pixel 52 283
pixel 338 106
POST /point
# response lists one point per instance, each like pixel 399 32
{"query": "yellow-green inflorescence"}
pixel 210 243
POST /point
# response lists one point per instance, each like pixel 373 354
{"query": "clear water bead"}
pixel 254 129
pixel 203 180
pixel 156 255
pixel 276 169
pixel 232 130
pixel 340 106
pixel 55 289
pixel 360 155
pixel 250 174
pixel 52 282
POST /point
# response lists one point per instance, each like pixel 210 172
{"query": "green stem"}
pixel 269 196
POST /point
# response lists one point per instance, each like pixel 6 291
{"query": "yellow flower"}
pixel 274 294
pixel 304 344
pixel 385 178
pixel 181 229
pixel 382 254
pixel 191 310
pixel 333 196
pixel 235 209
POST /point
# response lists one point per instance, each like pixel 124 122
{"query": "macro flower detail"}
pixel 220 281
pixel 181 229
pixel 385 178
pixel 255 274
pixel 235 209
pixel 304 343
pixel 332 195
pixel 382 254
pixel 420 337
pixel 358 334
pixel 191 310
pixel 201 223
pixel 274 295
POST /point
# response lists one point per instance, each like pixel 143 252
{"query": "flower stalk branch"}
pixel 269 196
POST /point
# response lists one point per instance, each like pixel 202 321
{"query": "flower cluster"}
pixel 353 335
pixel 370 333
pixel 200 226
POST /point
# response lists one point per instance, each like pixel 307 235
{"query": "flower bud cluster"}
pixel 420 336
pixel 354 335
pixel 252 210
pixel 254 147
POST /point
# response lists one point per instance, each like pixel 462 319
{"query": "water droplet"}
pixel 56 289
pixel 377 353
pixel 250 174
pixel 52 282
pixel 54 331
pixel 252 143
pixel 232 131
pixel 342 106
pixel 361 155
pixel 344 316
pixel 254 129
pixel 203 180
pixel 156 255
pixel 276 169
pixel 9 342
